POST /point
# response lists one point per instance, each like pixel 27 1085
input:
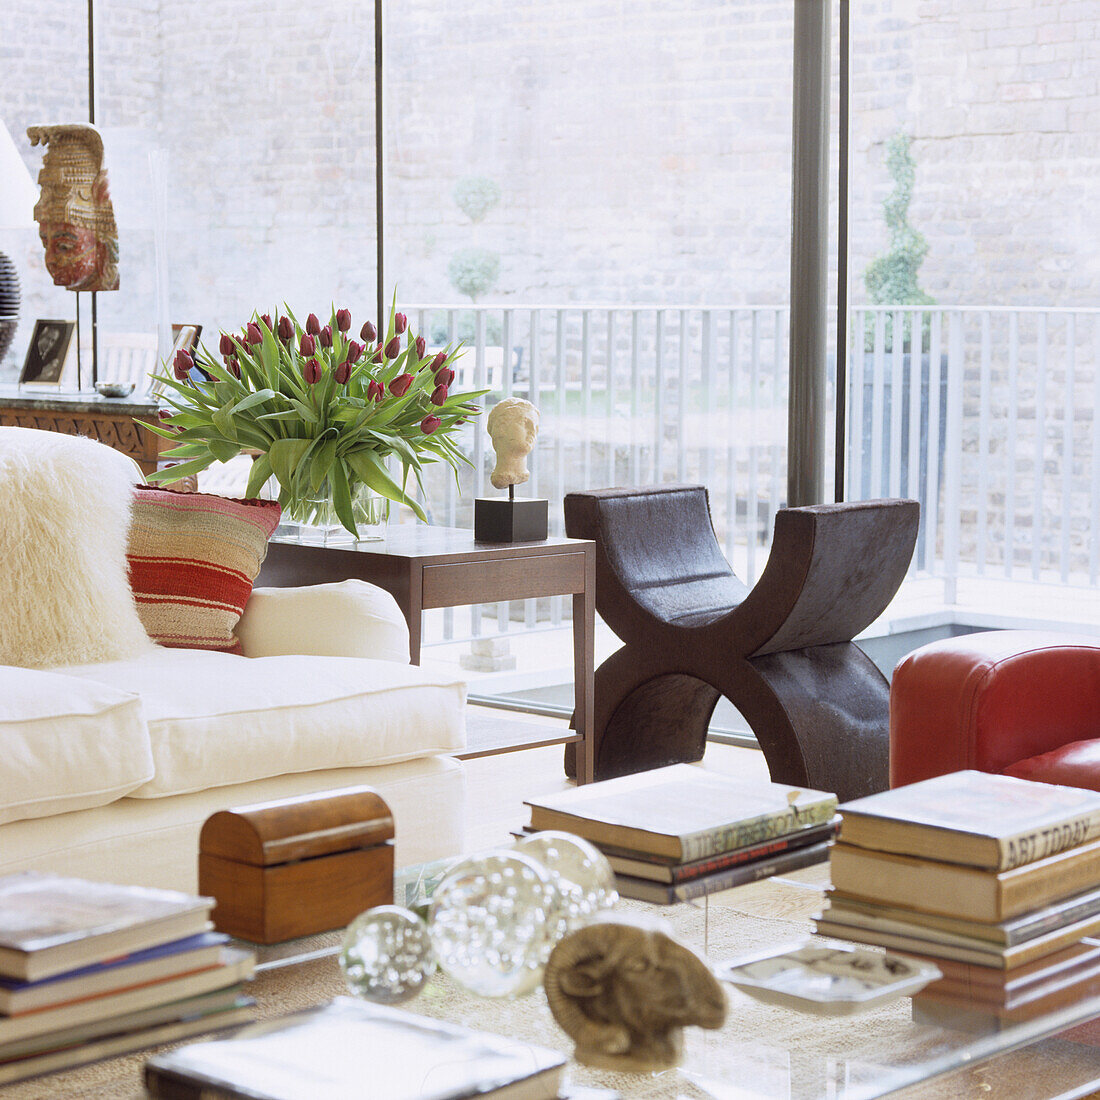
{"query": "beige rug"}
pixel 761 1050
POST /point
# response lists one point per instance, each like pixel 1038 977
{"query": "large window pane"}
pixel 975 371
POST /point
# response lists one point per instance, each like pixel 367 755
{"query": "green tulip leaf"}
pixel 341 496
pixel 258 476
pixel 183 469
pixel 286 455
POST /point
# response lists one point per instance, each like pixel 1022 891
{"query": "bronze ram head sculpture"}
pixel 624 992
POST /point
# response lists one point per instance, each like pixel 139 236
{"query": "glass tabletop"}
pixel 768 1051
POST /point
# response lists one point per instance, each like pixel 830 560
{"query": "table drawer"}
pixel 518 578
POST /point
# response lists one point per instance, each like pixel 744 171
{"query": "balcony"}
pixel 987 415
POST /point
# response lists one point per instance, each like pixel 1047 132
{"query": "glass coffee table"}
pixel 776 1052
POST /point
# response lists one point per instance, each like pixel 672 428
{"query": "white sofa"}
pixel 109 768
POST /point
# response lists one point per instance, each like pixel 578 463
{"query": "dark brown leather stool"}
pixel 781 652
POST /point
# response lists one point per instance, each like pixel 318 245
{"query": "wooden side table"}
pixel 110 420
pixel 427 567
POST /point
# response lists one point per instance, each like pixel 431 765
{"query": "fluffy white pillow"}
pixel 64 518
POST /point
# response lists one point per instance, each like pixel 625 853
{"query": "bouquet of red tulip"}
pixel 320 410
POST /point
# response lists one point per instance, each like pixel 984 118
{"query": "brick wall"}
pixel 642 150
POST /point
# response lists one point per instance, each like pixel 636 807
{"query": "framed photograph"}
pixel 186 337
pixel 47 352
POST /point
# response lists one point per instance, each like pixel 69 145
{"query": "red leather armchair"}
pixel 1023 703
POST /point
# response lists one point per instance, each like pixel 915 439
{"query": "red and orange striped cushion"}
pixel 193 558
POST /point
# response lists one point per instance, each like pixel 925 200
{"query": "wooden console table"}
pixel 426 567
pixel 110 420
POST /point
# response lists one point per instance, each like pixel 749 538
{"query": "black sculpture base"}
pixel 498 520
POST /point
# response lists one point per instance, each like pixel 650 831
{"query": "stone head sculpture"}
pixel 513 426
pixel 75 218
pixel 624 992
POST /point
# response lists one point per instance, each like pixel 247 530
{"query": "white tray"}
pixel 831 979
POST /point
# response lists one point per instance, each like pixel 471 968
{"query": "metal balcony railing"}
pixel 987 415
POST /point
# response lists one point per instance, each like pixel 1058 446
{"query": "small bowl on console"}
pixel 114 389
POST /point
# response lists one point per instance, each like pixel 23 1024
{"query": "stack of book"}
pixel 676 833
pixel 90 970
pixel 994 879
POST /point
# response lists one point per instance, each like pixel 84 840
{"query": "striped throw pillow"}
pixel 193 558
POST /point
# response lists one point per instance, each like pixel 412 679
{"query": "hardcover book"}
pixel 971 817
pixel 675 873
pixel 968 892
pixel 178 957
pixel 682 812
pixel 124 1042
pixel 347 1050
pixel 1009 988
pixel 50 924
pixel 236 966
pixel 1037 922
pixel 978 952
pixel 660 893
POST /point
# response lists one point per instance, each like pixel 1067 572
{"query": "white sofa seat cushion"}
pixel 67 744
pixel 217 718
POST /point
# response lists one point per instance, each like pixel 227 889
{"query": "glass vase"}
pixel 313 520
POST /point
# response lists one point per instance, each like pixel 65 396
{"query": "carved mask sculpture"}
pixel 513 425
pixel 75 219
pixel 625 992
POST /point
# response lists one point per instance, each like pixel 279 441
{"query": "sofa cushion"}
pixel 193 558
pixel 1074 765
pixel 64 509
pixel 217 718
pixel 349 618
pixel 67 743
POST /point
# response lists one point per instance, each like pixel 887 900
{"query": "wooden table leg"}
pixel 584 658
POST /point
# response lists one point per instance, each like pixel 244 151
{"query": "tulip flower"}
pixel 307 346
pixel 311 371
pixel 266 318
pixel 439 395
pixel 444 377
pixel 375 391
pixel 393 348
pixel 233 367
pixel 239 341
pixel 439 360
pixel 313 326
pixel 368 333
pixel 182 365
pixel 286 329
pixel 343 319
pixel 325 336
pixel 342 373
pixel 429 424
pixel 400 323
pixel 354 351
pixel 421 344
pixel 400 385
pixel 226 345
pixel 254 334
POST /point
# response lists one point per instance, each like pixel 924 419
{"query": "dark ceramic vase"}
pixel 9 304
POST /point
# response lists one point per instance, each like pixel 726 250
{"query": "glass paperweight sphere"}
pixel 387 956
pixel 585 881
pixel 491 923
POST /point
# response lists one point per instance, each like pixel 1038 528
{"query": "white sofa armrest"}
pixel 347 619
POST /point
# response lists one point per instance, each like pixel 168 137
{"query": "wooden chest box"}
pixel 297 866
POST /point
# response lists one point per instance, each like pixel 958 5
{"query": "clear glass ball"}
pixel 585 880
pixel 492 922
pixel 387 955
